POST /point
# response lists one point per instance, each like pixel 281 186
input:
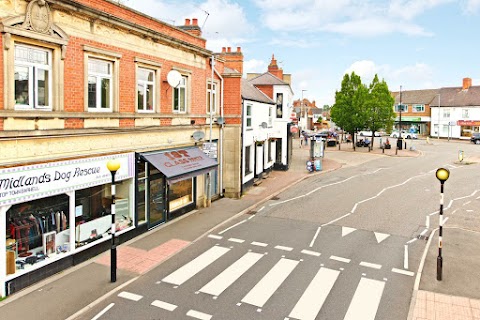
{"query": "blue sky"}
pixel 416 44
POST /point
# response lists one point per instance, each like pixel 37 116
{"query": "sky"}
pixel 412 44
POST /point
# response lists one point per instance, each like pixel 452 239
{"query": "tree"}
pixel 347 112
pixel 378 109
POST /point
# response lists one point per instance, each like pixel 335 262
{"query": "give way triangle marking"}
pixel 347 230
pixel 381 236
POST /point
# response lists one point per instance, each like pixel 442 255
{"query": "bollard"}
pixel 442 175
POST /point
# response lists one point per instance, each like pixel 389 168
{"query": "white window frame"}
pixel 99 77
pixel 33 69
pixel 249 159
pixel 183 85
pixel 214 93
pixel 404 109
pixel 465 113
pixel 248 116
pixel 446 113
pixel 270 116
pixel 146 83
pixel 416 107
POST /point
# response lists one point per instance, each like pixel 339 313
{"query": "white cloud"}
pixel 255 66
pixel 471 6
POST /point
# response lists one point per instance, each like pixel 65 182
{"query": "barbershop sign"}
pixel 20 184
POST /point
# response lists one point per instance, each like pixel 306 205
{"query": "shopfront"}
pixel 467 127
pixel 167 182
pixel 52 211
pixel 418 125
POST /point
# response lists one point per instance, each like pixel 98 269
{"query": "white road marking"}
pixel 466 203
pixel 130 296
pixel 259 244
pixel 427 222
pixel 340 259
pixel 366 300
pixel 164 305
pixel 370 265
pixel 283 248
pixel 214 236
pixel 267 286
pixel 236 240
pixel 335 220
pixel 405 272
pixel 251 217
pixel 381 236
pixel 443 221
pixel 405 258
pixel 231 227
pixel 199 315
pixel 261 209
pixel 195 266
pixel 101 313
pixel 347 231
pixel 311 253
pixel 221 282
pixel 315 237
pixel 312 300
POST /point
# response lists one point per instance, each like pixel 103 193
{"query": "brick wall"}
pixel 73 123
pixel 267 89
pixel 127 123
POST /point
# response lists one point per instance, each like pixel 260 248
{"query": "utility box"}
pixel 399 144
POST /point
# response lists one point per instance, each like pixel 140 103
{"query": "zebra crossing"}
pixel 364 304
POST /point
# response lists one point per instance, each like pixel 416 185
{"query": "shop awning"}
pixel 180 164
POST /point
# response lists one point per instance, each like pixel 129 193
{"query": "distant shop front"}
pixel 418 125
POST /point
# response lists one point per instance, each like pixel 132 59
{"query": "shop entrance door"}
pixel 156 211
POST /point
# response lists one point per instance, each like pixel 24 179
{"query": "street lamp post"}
pixel 438 128
pixel 302 110
pixel 113 166
pixel 442 175
pixel 400 117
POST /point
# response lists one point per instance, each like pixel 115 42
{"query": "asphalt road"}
pixel 344 245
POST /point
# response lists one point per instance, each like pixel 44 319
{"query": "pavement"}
pixel 71 292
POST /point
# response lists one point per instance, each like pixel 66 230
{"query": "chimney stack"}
pixel 233 59
pixel 274 69
pixel 192 28
pixel 467 83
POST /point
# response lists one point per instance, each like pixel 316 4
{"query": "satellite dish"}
pixel 264 125
pixel 173 78
pixel 220 120
pixel 198 135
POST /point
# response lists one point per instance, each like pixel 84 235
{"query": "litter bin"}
pixel 399 144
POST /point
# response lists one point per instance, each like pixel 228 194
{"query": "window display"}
pixel 180 194
pixel 29 226
pixel 93 219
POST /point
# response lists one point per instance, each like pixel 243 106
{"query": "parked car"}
pixel 475 138
pixel 405 134
pixel 366 133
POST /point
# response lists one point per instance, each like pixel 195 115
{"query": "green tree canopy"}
pixel 378 109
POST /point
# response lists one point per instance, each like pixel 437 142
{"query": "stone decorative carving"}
pixel 38 17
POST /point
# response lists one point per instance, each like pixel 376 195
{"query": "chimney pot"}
pixel 187 22
pixel 224 49
pixel 229 49
pixel 239 49
pixel 195 22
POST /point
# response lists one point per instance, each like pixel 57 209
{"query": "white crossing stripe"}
pixel 340 259
pixel 260 244
pixel 214 236
pixel 311 253
pixel 312 300
pixel 266 287
pixel 231 274
pixel 236 240
pixel 370 265
pixel 195 266
pixel 366 300
pixel 164 305
pixel 130 296
pixel 198 315
pixel 283 248
pixel 405 272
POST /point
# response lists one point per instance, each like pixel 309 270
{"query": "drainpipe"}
pixel 220 153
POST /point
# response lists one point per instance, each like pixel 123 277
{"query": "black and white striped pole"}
pixel 442 175
pixel 113 166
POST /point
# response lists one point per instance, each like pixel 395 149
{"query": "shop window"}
pixel 180 96
pixel 146 89
pixel 33 77
pixel 93 212
pixel 180 194
pixel 36 230
pixel 212 96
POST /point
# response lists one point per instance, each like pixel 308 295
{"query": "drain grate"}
pixel 251 212
pixel 275 198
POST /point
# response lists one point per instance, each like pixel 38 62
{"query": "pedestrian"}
pixel 306 140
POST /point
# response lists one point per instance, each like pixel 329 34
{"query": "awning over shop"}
pixel 181 164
